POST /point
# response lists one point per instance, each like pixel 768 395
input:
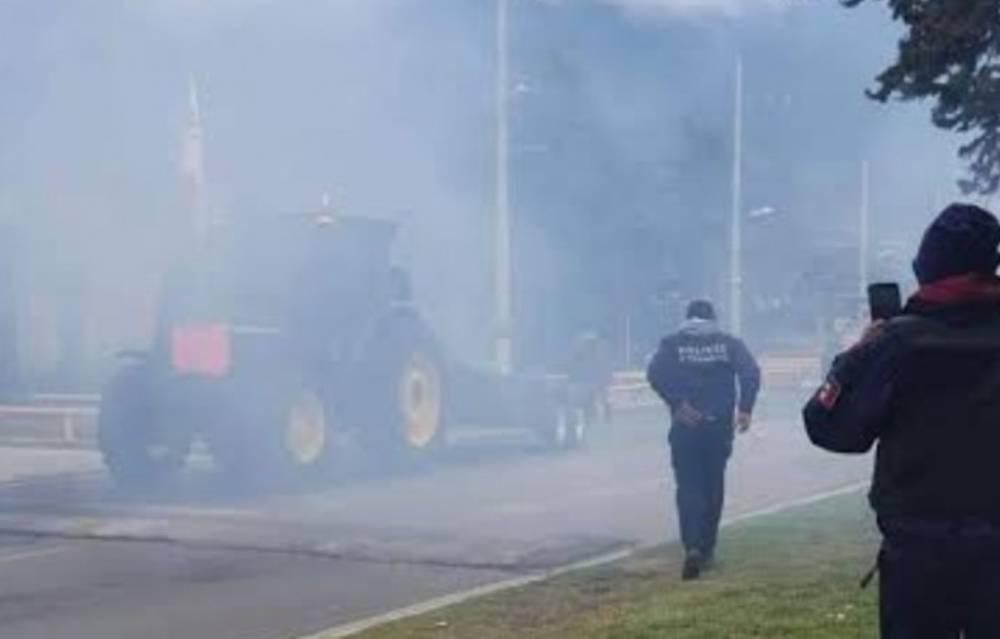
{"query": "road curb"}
pixel 437 603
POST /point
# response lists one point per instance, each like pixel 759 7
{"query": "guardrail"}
pixel 70 419
pixel 779 373
pixel 50 420
pixel 629 390
pixel 791 371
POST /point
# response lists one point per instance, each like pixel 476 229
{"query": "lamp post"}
pixel 736 224
pixel 864 232
pixel 503 346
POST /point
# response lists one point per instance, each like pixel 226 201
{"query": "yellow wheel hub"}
pixel 305 433
pixel 420 401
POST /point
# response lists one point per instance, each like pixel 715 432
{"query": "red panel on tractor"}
pixel 200 349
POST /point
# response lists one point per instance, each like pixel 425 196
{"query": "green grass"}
pixel 793 574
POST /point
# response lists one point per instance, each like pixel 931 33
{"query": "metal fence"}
pixel 50 420
pixel 780 373
pixel 70 420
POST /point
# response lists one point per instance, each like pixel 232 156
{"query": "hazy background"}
pixel 621 140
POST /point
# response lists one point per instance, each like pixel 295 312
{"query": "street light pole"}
pixel 502 252
pixel 736 226
pixel 864 231
pixel 193 165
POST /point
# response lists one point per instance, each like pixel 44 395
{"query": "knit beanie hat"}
pixel 963 239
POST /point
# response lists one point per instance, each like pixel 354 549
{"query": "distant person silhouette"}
pixel 591 372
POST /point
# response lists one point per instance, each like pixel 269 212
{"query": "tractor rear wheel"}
pixel 138 448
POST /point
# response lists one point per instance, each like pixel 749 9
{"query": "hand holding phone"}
pixel 884 301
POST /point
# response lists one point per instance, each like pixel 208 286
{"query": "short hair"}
pixel 701 309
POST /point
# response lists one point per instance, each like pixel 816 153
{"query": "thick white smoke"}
pixel 687 8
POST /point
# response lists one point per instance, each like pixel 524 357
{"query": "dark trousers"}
pixel 699 455
pixel 940 586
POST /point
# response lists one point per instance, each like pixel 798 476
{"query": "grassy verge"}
pixel 793 574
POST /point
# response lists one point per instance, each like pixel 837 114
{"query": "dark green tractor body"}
pixel 282 341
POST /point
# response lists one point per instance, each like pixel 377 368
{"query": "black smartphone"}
pixel 884 300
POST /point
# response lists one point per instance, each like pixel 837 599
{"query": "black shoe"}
pixel 693 563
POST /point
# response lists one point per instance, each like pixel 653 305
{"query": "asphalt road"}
pixel 205 561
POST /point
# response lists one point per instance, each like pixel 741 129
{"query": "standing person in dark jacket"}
pixel 591 373
pixel 926 386
pixel 696 372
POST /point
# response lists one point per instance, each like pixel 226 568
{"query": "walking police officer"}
pixel 926 387
pixel 696 372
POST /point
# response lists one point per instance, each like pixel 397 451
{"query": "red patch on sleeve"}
pixel 828 394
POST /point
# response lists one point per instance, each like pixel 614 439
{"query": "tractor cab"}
pixel 312 283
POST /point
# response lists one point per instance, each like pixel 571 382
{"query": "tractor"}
pixel 282 338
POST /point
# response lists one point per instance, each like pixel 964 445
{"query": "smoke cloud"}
pixel 669 9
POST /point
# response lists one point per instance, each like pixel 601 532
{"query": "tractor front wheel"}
pixel 284 433
pixel 405 411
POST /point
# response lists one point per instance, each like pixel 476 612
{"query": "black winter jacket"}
pixel 702 365
pixel 928 390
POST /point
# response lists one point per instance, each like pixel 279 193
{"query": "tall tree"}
pixel 950 54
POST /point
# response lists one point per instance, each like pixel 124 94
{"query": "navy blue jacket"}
pixel 928 391
pixel 703 366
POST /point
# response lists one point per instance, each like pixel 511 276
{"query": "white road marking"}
pixel 199 511
pixel 430 605
pixel 437 603
pixel 122 527
pixel 794 503
pixel 356 627
pixel 80 526
pixel 31 554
